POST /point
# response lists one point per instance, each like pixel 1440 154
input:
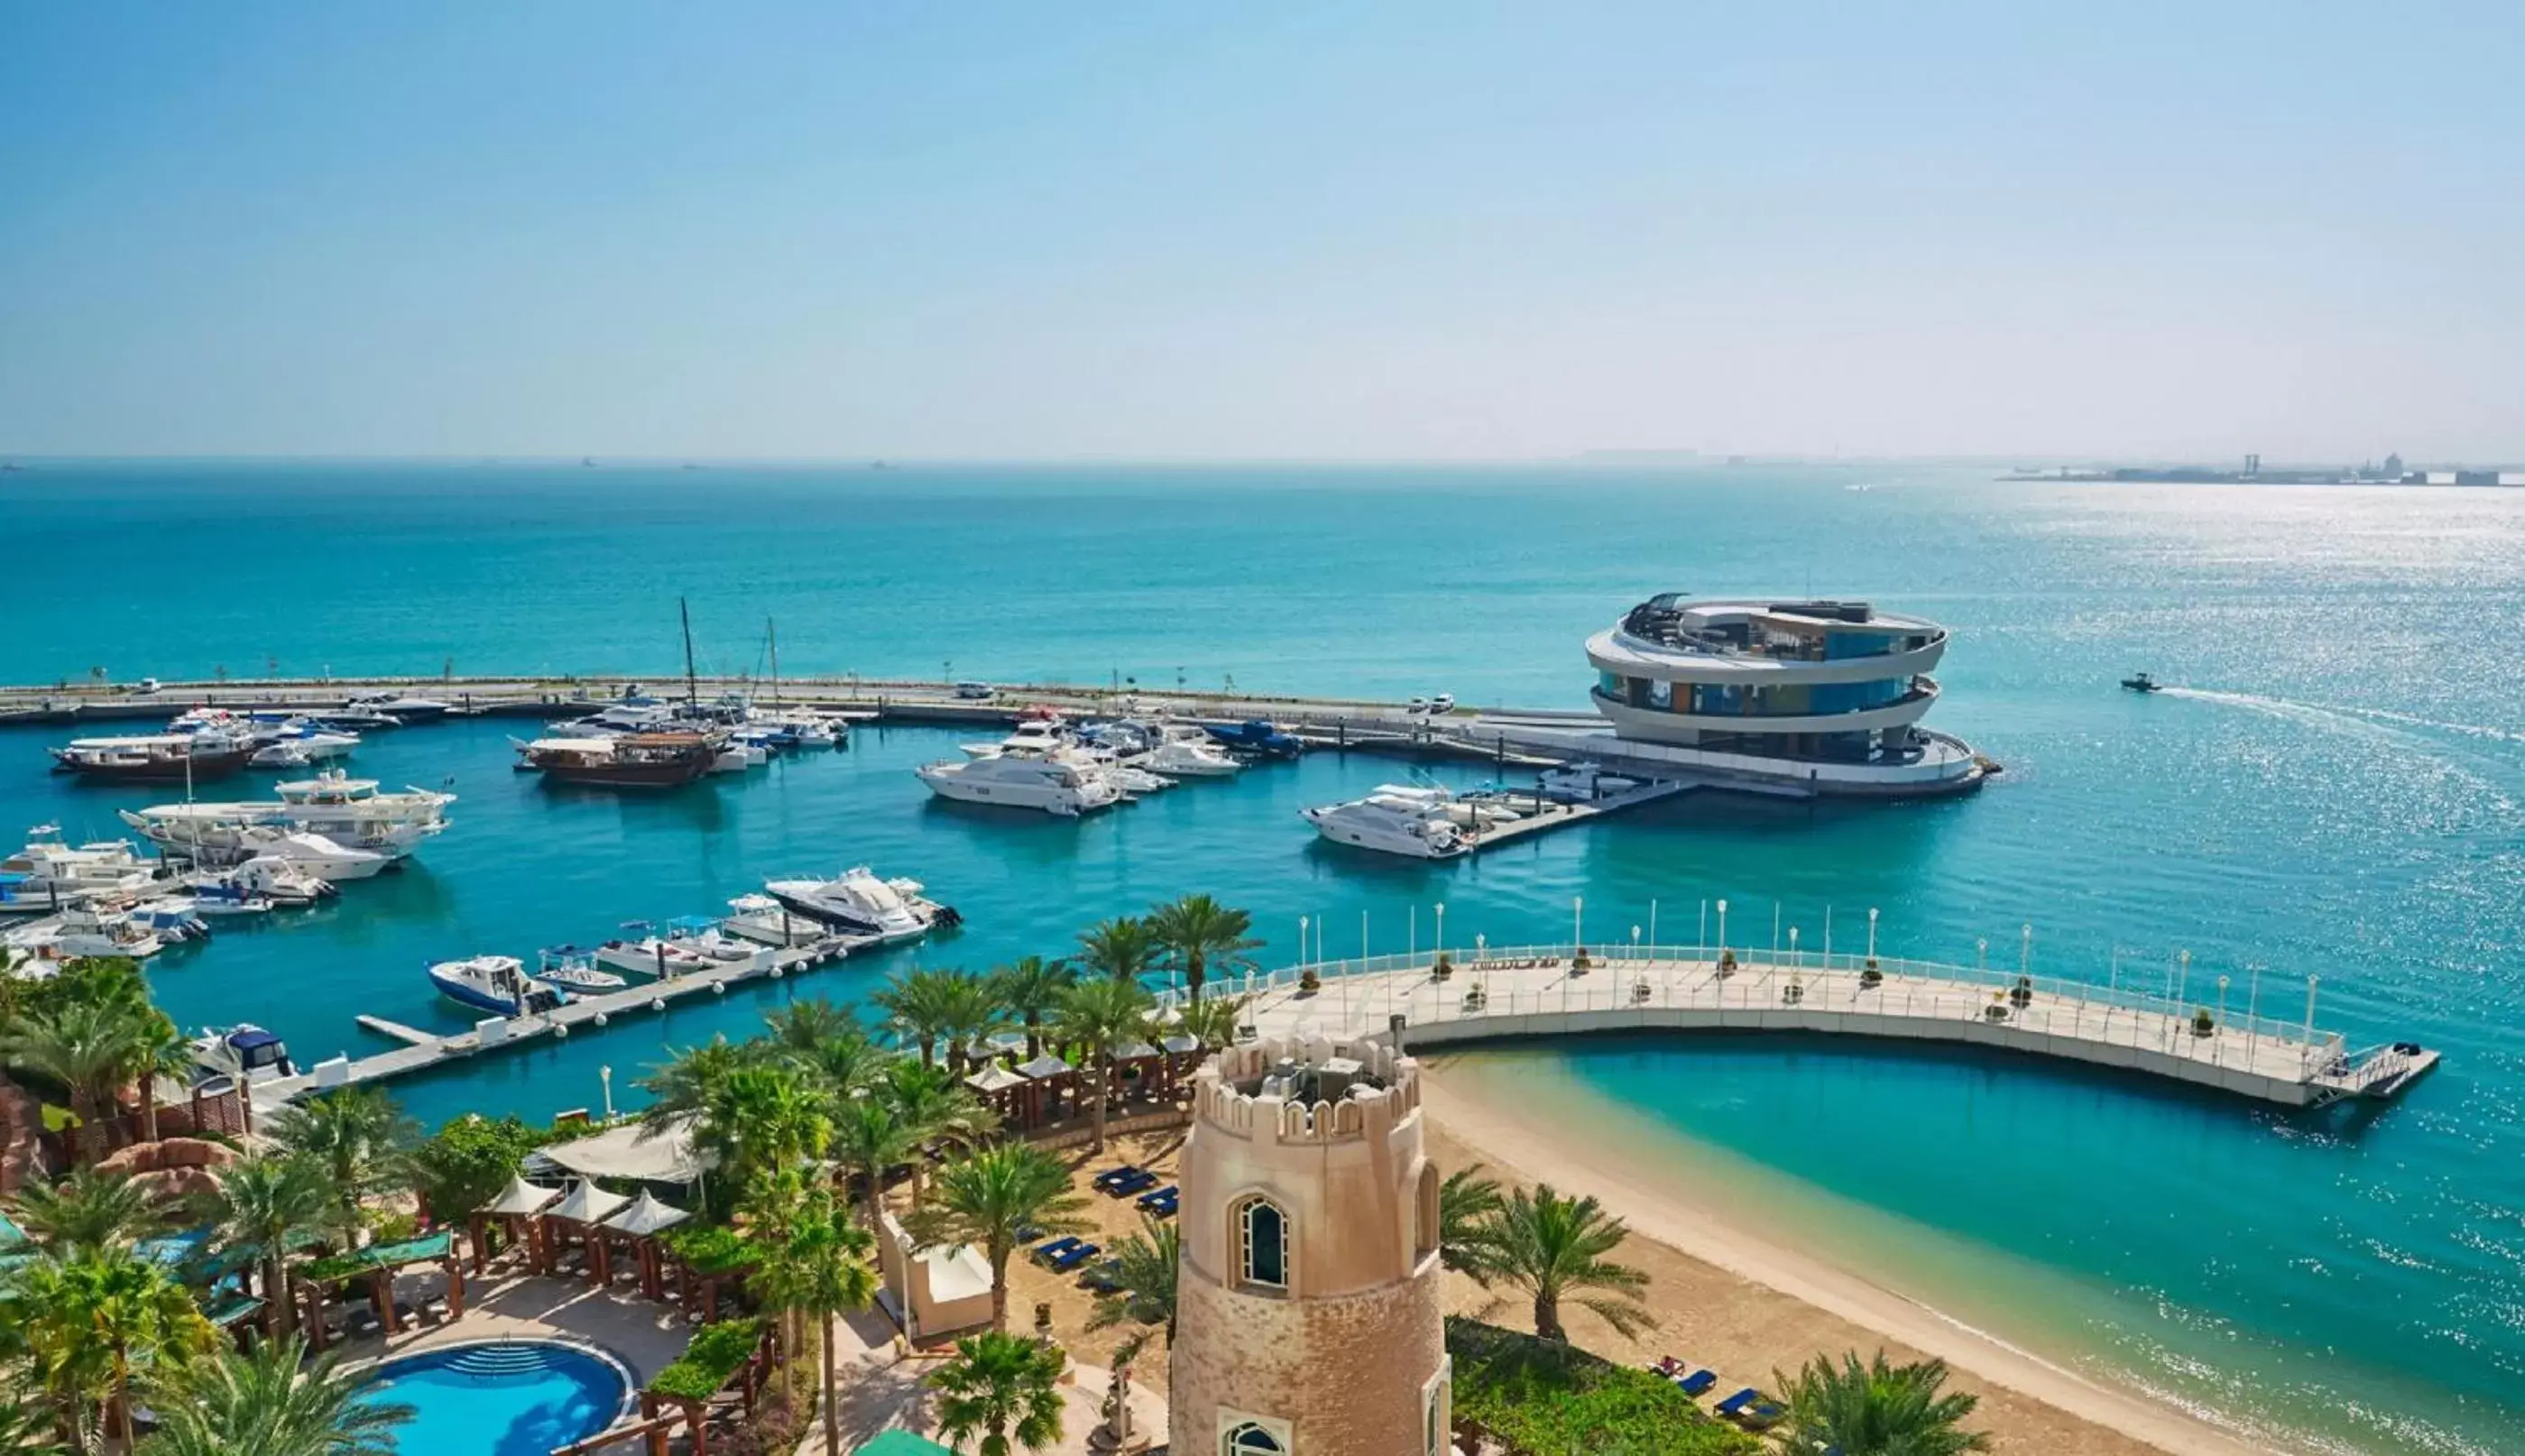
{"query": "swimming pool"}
pixel 508 1398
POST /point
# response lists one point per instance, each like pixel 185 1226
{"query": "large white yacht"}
pixel 1060 783
pixel 1187 758
pixel 348 811
pixel 860 902
pixel 49 874
pixel 1404 823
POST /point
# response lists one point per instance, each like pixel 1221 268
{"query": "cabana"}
pixel 584 1207
pixel 515 1213
pixel 932 1293
pixel 638 1227
pixel 377 1262
pixel 1048 1077
pixel 998 1087
pixel 633 1152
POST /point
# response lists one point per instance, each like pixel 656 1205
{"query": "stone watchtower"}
pixel 1310 1317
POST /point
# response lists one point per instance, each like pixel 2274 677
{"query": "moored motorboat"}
pixel 574 969
pixel 647 760
pixel 498 984
pixel 244 1052
pixel 1058 784
pixel 316 854
pixel 284 882
pixel 1583 779
pixel 49 875
pixel 1182 758
pixel 218 893
pixel 763 919
pixel 1401 824
pixel 86 931
pixel 403 708
pixel 859 902
pixel 156 758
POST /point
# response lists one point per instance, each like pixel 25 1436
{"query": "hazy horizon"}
pixel 1416 233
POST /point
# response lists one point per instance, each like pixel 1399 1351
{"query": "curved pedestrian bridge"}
pixel 1504 993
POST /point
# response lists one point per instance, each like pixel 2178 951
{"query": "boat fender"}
pixel 561 1033
pixel 718 987
pixel 776 972
pixel 599 1019
pixel 657 1003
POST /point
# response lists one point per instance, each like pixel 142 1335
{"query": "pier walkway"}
pixel 1531 991
pixel 423 1051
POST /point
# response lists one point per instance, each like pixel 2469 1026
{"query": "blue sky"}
pixel 1278 230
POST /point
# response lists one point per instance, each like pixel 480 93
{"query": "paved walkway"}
pixel 883 1391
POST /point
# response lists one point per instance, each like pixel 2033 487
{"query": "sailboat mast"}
pixel 772 636
pixel 692 684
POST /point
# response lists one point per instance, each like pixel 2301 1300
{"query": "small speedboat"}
pixel 2143 683
pixel 214 893
pixel 244 1052
pixel 498 984
pixel 569 966
pixel 763 919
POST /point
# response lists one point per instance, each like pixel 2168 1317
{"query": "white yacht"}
pixel 1583 779
pixel 763 919
pixel 1464 813
pixel 1190 758
pixel 1391 824
pixel 860 903
pixel 48 873
pixel 657 956
pixel 1057 783
pixel 82 930
pixel 316 854
pixel 572 968
pixel 281 882
pixel 404 707
pixel 349 811
pixel 216 893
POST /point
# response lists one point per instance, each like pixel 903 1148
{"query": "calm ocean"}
pixel 2332 788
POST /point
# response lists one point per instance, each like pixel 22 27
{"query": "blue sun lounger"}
pixel 1165 1195
pixel 1696 1382
pixel 1067 1259
pixel 1137 1182
pixel 1738 1401
pixel 1055 1249
pixel 1106 1180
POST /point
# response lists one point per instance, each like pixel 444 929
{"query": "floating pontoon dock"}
pixel 423 1051
pixel 1533 992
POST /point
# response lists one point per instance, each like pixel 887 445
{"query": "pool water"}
pixel 501 1398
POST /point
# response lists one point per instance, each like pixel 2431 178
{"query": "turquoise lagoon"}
pixel 2332 788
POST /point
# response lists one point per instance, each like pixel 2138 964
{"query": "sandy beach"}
pixel 1744 1305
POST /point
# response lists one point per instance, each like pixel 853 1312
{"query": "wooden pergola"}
pixel 377 1263
pixel 584 1209
pixel 637 1227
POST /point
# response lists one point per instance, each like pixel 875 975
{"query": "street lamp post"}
pixel 1872 935
pixel 604 1075
pixel 1577 924
pixel 1722 929
pixel 1442 929
pixel 2025 952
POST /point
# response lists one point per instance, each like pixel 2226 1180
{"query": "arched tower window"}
pixel 1251 1440
pixel 1262 1247
pixel 1424 1213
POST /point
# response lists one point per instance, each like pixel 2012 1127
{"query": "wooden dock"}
pixel 422 1051
pixel 1541 991
pixel 1541 815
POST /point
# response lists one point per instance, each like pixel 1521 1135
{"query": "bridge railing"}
pixel 1640 979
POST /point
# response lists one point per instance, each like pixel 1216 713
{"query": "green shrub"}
pixel 715 1353
pixel 708 1248
pixel 467 1162
pixel 1546 1398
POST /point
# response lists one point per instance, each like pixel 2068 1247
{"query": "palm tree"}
pixel 764 1118
pixel 1211 1022
pixel 774 1208
pixel 973 1011
pixel 87 1048
pixel 87 1210
pixel 934 1107
pixel 1198 934
pixel 1100 1017
pixel 1004 1388
pixel 107 1315
pixel 926 1006
pixel 1029 987
pixel 1554 1248
pixel 26 1429
pixel 51 1338
pixel 990 1198
pixel 1142 1272
pixel 825 1270
pixel 680 1088
pixel 262 1199
pixel 261 1404
pixel 361 1138
pixel 1468 1202
pixel 828 1043
pixel 868 1140
pixel 1121 948
pixel 1877 1409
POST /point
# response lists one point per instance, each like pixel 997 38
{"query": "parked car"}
pixel 976 691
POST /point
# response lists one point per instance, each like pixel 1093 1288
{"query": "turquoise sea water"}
pixel 2332 788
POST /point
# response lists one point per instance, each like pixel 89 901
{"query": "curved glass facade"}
pixel 1765 700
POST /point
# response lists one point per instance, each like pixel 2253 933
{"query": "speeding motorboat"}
pixel 2143 683
pixel 498 984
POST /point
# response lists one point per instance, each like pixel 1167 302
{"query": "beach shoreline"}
pixel 1748 1304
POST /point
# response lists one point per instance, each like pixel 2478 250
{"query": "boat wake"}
pixel 2369 720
